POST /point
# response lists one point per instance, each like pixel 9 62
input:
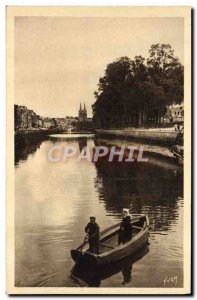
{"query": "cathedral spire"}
pixel 82 115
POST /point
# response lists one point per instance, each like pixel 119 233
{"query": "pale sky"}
pixel 58 60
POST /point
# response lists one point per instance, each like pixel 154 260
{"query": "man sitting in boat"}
pixel 92 229
pixel 125 232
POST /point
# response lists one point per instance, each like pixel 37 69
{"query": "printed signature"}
pixel 170 281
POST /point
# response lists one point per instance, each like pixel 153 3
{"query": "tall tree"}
pixel 136 92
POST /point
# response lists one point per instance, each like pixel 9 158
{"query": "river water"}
pixel 53 202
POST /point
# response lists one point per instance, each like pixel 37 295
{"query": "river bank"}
pixel 44 132
pixel 38 132
pixel 160 136
pixel 158 155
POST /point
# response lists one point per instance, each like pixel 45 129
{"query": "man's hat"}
pixel 92 218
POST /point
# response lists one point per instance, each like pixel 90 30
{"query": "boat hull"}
pixel 124 250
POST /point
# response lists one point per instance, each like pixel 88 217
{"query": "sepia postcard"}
pixel 99 150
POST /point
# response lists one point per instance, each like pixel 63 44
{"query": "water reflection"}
pixel 143 187
pixel 93 277
pixel 24 146
pixel 27 145
pixel 53 202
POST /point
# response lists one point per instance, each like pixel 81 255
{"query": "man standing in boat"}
pixel 125 232
pixel 92 229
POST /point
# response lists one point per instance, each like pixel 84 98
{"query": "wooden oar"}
pixel 83 244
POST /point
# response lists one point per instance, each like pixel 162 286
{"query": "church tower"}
pixel 85 112
pixel 82 113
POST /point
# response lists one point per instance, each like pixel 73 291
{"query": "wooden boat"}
pixel 109 250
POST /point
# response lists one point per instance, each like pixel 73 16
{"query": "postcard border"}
pixel 129 11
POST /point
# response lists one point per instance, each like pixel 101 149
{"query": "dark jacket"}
pixel 93 230
pixel 125 232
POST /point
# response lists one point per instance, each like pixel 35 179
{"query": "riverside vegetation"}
pixel 136 92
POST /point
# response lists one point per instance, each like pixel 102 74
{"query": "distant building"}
pixel 177 112
pixel 71 119
pixel 22 118
pixel 46 123
pixel 82 113
pixel 39 121
pixel 61 123
pixel 174 114
pixel 26 119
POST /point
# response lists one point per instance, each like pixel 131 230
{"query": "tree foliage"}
pixel 136 92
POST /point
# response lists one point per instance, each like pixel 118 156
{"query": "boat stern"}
pixel 85 258
pixel 75 254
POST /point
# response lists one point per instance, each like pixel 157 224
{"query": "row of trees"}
pixel 136 92
pixel 82 125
